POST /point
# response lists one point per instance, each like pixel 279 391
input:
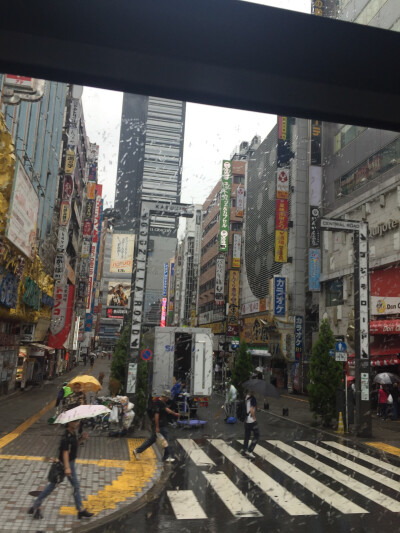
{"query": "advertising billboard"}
pixel 236 248
pixel 118 294
pixel 233 298
pixel 23 213
pixel 240 201
pixel 220 280
pixel 280 296
pixel 281 246
pixel 314 269
pixel 122 248
pixel 282 183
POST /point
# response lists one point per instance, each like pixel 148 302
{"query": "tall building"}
pixel 150 169
pixel 361 180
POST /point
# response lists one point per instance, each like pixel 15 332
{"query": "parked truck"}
pixel 181 354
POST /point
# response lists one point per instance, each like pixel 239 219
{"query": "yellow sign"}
pixel 91 190
pixel 281 246
pixel 216 327
pixel 70 160
pixel 256 329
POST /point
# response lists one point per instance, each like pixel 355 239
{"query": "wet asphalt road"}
pixel 308 489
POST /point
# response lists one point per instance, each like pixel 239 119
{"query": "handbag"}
pixel 56 473
pixel 114 418
pixel 390 399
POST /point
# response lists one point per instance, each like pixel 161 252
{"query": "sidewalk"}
pixel 112 481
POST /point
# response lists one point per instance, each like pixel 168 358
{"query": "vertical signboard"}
pixel 284 155
pixel 281 246
pixel 314 269
pixel 220 280
pixel 225 206
pixel 233 299
pixel 280 296
pixel 236 248
pixel 163 312
pixel 240 201
pixel 122 253
pixel 315 240
pixel 298 335
pixel 282 183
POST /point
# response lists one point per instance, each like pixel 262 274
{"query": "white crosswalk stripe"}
pixel 282 497
pixel 364 457
pixel 196 454
pixel 231 496
pixel 348 481
pixel 387 481
pixel 185 505
pixel 330 496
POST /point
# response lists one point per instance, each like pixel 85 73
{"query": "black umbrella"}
pixel 261 387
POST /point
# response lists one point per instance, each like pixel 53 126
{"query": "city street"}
pixel 302 479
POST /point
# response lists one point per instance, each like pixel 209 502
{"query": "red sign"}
pixel 384 327
pixel 282 214
pixel 87 228
pixel 68 187
pixel 62 315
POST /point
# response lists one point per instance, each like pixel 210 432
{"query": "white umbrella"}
pixel 82 411
pixel 386 378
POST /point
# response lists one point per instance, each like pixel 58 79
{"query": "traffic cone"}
pixel 340 428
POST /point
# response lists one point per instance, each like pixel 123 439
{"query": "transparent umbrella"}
pixel 386 378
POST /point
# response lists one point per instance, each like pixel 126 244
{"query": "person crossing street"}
pixel 250 426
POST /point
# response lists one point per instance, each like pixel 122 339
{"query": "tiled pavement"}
pixel 110 477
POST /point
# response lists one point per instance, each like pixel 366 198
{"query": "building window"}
pixel 238 179
pixel 233 202
pixel 334 292
pixel 236 226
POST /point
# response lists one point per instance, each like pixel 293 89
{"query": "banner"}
pixel 314 269
pixel 23 213
pixel 220 280
pixel 282 214
pixel 298 336
pixel 61 317
pixel 315 240
pixel 240 201
pixel 282 183
pixel 233 299
pixel 281 246
pixel 122 249
pixel 237 244
pixel 225 206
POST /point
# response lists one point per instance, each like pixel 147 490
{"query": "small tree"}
pixel 243 367
pixel 325 376
pixel 120 356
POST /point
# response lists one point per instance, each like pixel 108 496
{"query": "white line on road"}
pixel 331 497
pixel 185 505
pixel 365 457
pixel 231 496
pixel 196 454
pixel 282 497
pixel 356 486
pixel 367 472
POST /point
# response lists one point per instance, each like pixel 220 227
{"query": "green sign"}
pixel 225 205
pixel 32 294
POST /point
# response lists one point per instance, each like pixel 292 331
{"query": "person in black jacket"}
pixel 67 454
pixel 395 405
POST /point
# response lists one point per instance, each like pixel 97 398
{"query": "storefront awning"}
pixel 384 327
pixel 383 360
pixel 42 347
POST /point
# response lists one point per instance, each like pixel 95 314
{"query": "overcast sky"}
pixel 211 133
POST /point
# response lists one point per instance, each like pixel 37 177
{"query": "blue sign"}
pixel 280 296
pixel 341 346
pixel 146 354
pixel 298 336
pixel 314 269
pixel 165 286
pixel 332 353
pixel 8 289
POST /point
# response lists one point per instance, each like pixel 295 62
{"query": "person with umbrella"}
pixel 67 454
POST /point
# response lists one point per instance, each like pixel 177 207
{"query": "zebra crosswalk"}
pixel 301 479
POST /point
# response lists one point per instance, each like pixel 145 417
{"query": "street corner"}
pixel 112 486
pixel 108 487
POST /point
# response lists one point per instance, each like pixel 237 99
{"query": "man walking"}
pixel 67 455
pixel 159 427
pixel 250 426
pixel 230 400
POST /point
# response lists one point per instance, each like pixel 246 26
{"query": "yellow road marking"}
pixel 294 398
pixel 385 447
pixel 107 463
pixel 25 425
pixel 132 480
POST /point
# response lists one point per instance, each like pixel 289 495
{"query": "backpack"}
pixel 241 410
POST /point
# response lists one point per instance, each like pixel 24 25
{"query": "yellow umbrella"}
pixel 88 383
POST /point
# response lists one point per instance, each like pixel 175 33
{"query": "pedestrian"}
pixel 395 395
pixel 84 359
pixel 382 402
pixel 67 455
pixel 159 427
pixel 230 400
pixel 91 361
pixel 250 426
pixel 109 355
